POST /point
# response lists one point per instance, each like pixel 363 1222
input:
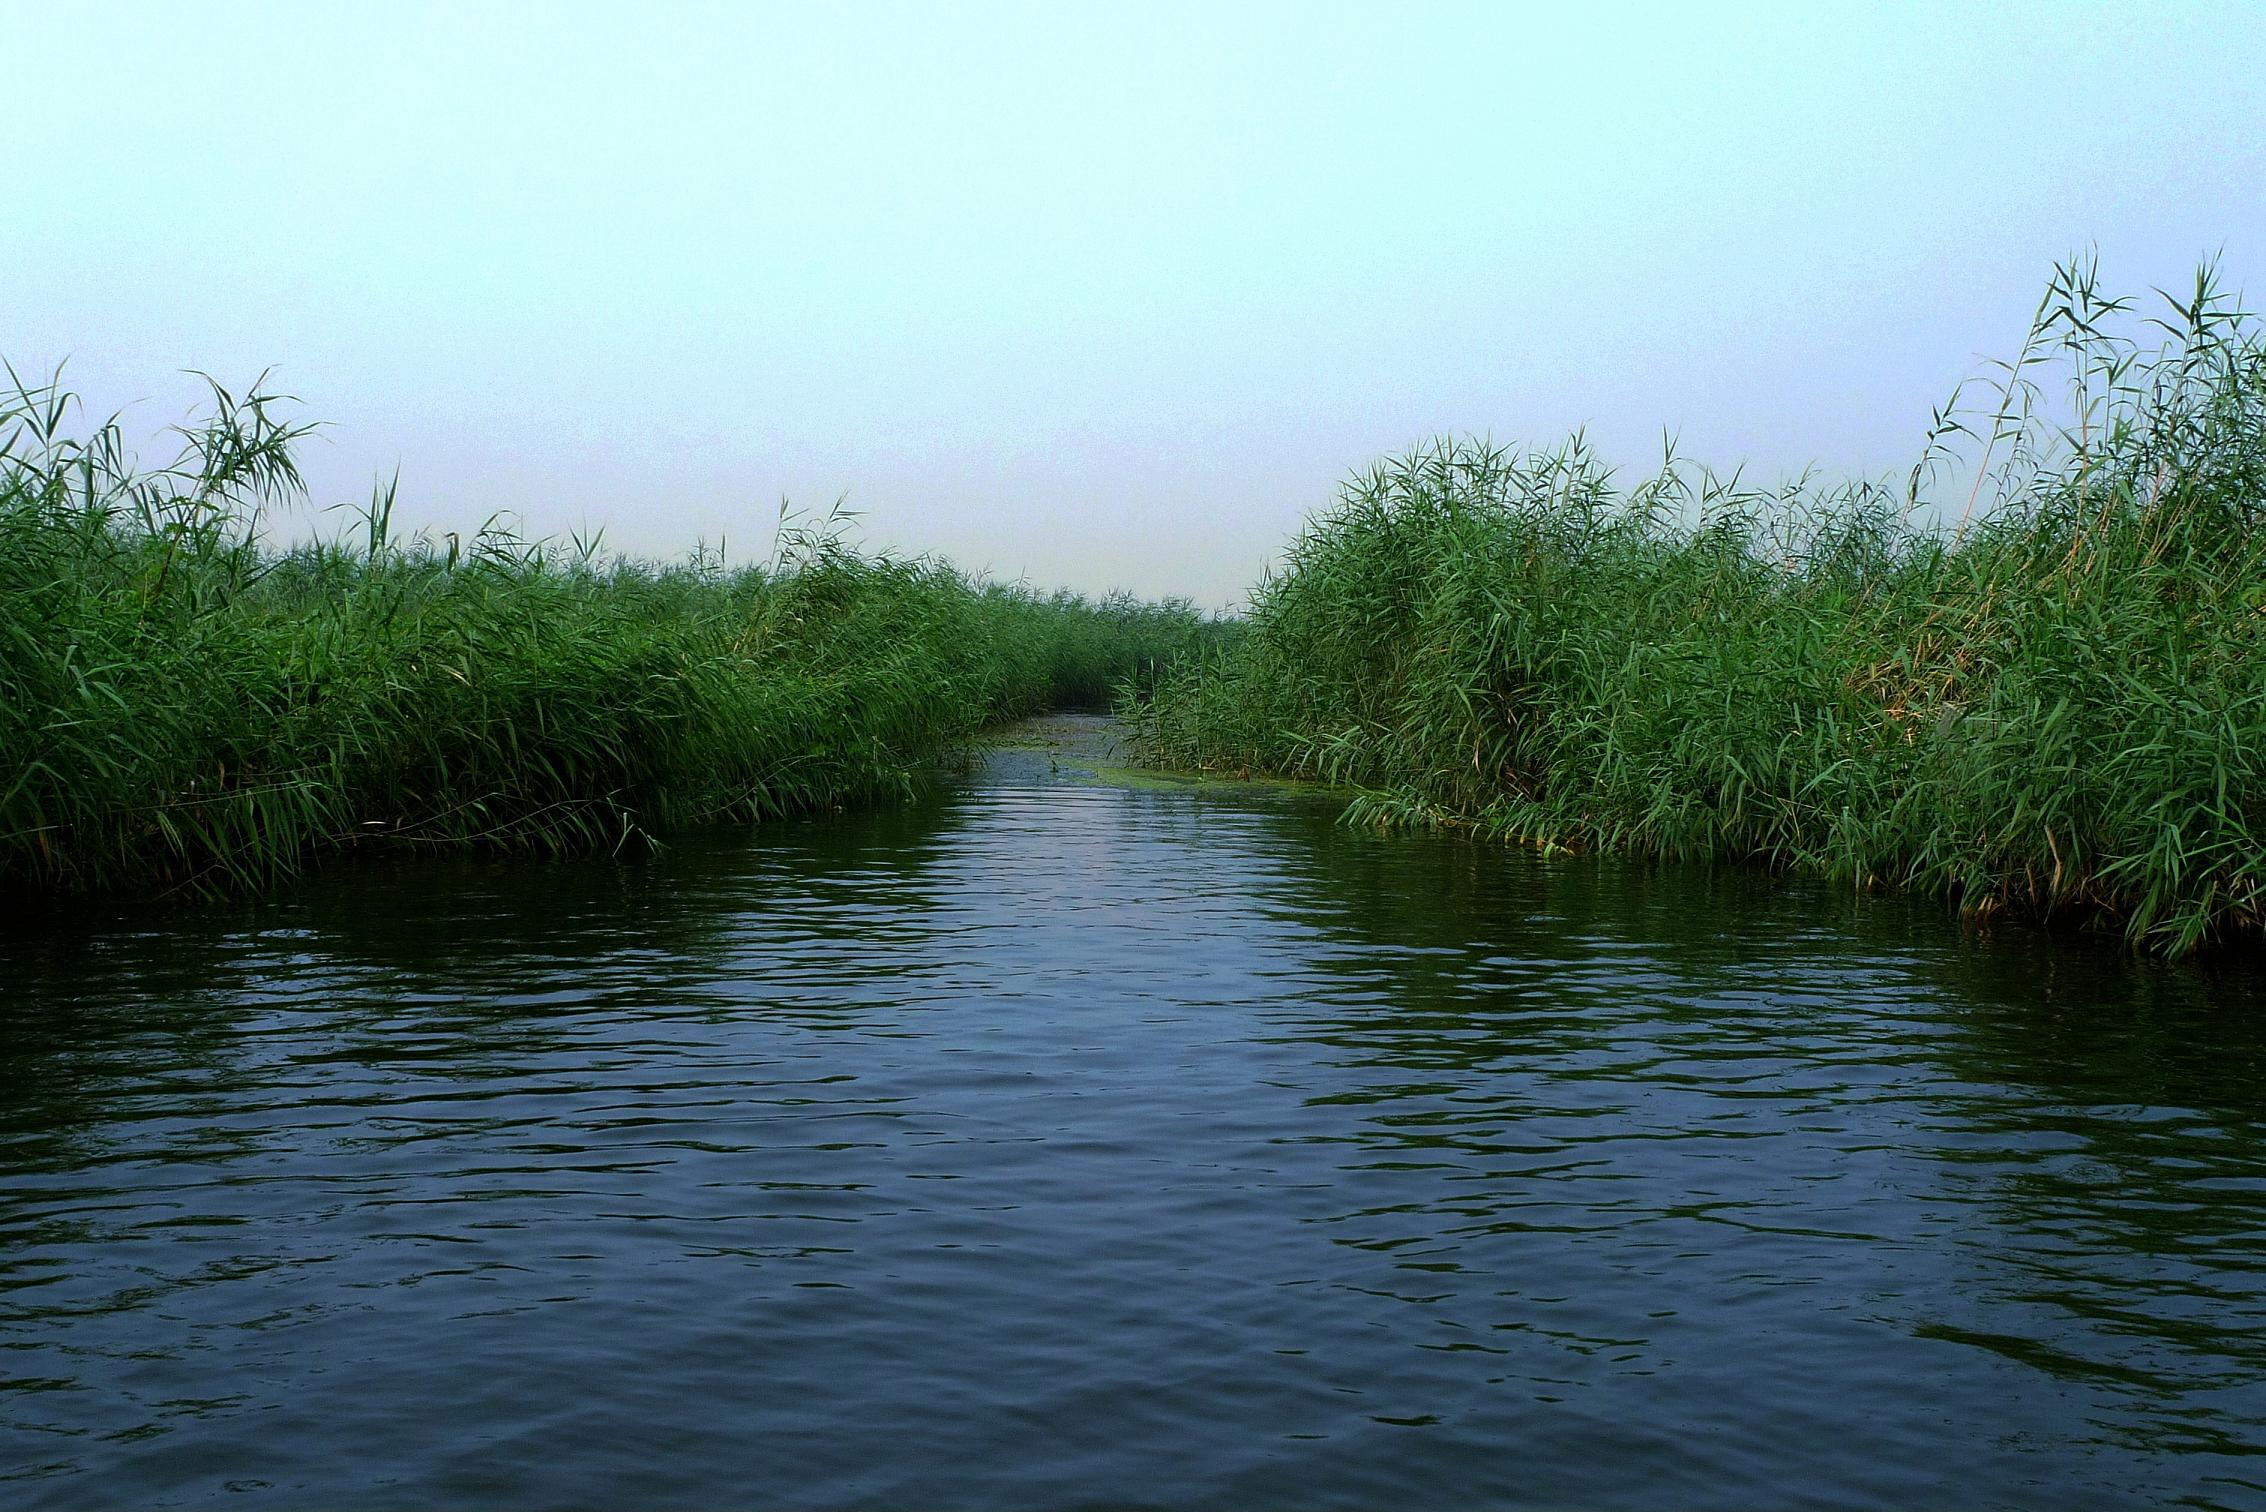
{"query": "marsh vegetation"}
pixel 183 706
pixel 2027 677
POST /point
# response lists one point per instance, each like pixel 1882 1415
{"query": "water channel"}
pixel 1069 1140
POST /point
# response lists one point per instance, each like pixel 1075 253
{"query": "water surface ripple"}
pixel 1052 1144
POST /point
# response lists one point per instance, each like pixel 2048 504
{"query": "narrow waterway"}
pixel 1064 1141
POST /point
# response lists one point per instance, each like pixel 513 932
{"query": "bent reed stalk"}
pixel 2042 693
pixel 183 708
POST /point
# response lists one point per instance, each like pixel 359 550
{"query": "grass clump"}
pixel 183 707
pixel 2028 678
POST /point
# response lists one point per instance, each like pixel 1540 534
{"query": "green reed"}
pixel 2027 678
pixel 182 706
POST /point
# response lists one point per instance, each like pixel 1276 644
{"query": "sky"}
pixel 1091 296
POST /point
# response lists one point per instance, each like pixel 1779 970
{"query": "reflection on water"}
pixel 1053 1144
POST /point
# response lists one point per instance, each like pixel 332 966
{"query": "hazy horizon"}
pixel 1096 298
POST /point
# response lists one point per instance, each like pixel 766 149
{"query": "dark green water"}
pixel 1060 1145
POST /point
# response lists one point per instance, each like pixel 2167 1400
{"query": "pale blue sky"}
pixel 1097 295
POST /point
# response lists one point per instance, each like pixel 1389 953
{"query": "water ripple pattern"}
pixel 1059 1144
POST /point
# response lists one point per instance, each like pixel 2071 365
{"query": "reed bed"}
pixel 182 707
pixel 2026 678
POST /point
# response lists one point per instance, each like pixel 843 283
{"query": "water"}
pixel 1055 1144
